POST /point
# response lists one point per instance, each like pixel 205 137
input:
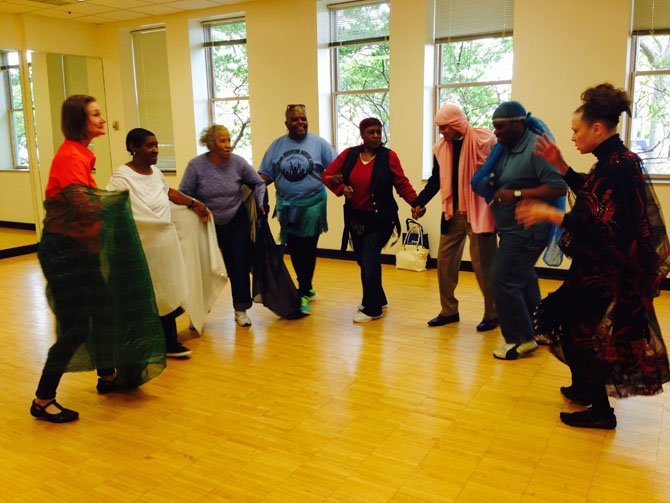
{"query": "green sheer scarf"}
pixel 99 287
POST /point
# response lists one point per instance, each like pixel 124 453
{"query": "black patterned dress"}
pixel 601 321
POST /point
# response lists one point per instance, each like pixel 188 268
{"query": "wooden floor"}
pixel 14 238
pixel 321 409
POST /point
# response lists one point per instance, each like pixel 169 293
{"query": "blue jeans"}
pixel 235 245
pixel 515 285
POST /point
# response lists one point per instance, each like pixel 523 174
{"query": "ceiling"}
pixel 106 11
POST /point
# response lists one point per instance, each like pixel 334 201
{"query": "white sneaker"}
pixel 361 307
pixel 512 351
pixel 242 319
pixel 526 347
pixel 361 317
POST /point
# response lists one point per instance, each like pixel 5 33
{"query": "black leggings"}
pixel 74 278
pixel 303 258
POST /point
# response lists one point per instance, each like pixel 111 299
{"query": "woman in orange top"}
pixel 89 236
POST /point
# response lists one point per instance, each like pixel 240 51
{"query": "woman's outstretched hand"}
pixel 531 211
pixel 547 150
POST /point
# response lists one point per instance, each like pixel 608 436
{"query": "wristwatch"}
pixel 517 195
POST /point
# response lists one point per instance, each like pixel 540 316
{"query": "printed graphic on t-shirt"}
pixel 295 165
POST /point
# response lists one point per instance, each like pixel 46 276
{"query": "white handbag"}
pixel 412 255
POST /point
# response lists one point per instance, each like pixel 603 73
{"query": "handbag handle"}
pixel 416 228
pixel 415 223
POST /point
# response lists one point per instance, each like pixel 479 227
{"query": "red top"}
pixel 360 178
pixel 73 163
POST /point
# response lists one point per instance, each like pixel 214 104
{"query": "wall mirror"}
pixel 52 77
pixel 17 229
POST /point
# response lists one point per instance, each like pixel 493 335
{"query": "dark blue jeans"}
pixel 368 250
pixel 235 244
pixel 515 286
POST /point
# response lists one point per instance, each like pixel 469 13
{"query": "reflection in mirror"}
pixel 56 77
pixel 17 220
pixel 53 77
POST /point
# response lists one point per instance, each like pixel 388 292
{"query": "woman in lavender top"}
pixel 215 178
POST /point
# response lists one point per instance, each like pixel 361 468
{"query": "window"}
pixel 649 130
pixel 152 91
pixel 12 129
pixel 359 42
pixel 476 75
pixel 226 48
pixel 650 127
pixel 474 56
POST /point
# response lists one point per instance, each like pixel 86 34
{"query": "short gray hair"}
pixel 208 135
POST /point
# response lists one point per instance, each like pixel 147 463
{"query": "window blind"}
pixel 152 88
pixel 359 22
pixel 651 16
pixel 463 19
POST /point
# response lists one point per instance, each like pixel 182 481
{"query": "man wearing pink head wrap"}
pixel 460 152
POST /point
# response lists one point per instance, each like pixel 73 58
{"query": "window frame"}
pixel 5 68
pixel 634 73
pixel 334 45
pixel 208 45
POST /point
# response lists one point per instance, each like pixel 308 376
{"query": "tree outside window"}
pixel 360 69
pixel 226 47
pixel 649 132
pixel 476 75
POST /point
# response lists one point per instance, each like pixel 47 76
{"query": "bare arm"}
pixel 192 204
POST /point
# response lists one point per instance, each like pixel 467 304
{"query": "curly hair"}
pixel 208 135
pixel 604 103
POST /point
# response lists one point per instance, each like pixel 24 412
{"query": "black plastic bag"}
pixel 272 283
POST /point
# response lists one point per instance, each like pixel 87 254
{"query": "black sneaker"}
pixel 590 419
pixel 576 395
pixel 178 351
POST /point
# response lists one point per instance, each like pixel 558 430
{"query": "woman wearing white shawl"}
pixel 150 198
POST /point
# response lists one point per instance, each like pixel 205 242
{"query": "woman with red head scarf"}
pixel 366 175
pixel 458 154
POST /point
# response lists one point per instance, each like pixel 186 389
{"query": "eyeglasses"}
pixel 294 105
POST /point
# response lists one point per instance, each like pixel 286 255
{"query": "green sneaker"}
pixel 312 295
pixel 304 305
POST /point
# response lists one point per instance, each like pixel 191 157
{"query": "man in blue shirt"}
pixel 295 163
pixel 518 174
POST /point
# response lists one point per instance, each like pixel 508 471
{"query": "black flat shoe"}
pixel 576 395
pixel 588 419
pixel 486 325
pixel 438 321
pixel 104 386
pixel 64 416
